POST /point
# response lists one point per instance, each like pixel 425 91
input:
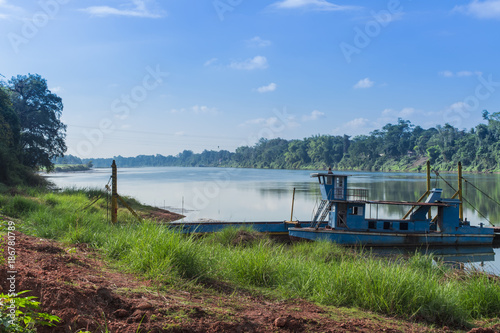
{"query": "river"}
pixel 229 194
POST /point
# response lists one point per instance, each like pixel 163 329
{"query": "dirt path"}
pixel 74 284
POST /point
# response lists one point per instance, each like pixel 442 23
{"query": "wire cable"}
pixel 438 175
pixel 484 193
pixel 467 201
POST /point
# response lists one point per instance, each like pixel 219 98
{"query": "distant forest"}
pixel 395 147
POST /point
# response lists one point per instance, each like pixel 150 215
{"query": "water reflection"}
pixel 228 193
pixel 467 257
pixel 265 195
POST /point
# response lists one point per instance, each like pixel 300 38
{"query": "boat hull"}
pixel 353 238
pixel 274 228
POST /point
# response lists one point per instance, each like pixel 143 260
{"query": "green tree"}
pixel 9 139
pixel 397 138
pixel 39 111
pixel 433 153
pixel 296 154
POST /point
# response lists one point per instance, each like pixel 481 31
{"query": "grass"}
pixel 320 272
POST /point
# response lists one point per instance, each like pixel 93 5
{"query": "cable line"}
pixel 463 198
pixel 484 193
pixel 438 175
pixel 477 211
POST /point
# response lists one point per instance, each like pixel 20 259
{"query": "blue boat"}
pixel 341 218
pixel 347 223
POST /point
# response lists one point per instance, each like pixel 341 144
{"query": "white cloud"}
pixel 356 123
pixel 446 73
pixel 270 87
pixel 258 42
pixel 179 133
pixel 197 109
pixel 315 114
pixel 487 9
pixel 387 112
pixel 136 9
pixel 364 83
pixel 175 111
pixel 403 113
pixel 464 73
pixel 210 62
pixel 406 112
pixel 55 90
pixel 355 127
pixel 203 109
pixel 9 11
pixel 257 62
pixel 319 5
pixel 273 122
pixel 459 74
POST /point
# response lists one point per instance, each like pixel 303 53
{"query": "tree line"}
pixel 31 132
pixel 395 147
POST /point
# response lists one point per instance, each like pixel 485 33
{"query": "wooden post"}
pixel 114 194
pixel 429 184
pixel 461 211
pixel 293 201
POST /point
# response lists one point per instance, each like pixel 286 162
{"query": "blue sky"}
pixel 158 77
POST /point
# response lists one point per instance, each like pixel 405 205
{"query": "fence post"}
pixel 114 194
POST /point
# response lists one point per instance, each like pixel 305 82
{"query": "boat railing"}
pixel 356 194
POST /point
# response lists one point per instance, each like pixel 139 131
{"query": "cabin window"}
pixel 356 210
pixel 387 225
pixel 328 180
pixel 339 181
pixel 372 225
pixel 403 226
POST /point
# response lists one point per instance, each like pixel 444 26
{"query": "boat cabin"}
pixel 332 186
pixel 346 209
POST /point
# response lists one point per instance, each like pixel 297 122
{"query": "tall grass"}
pixel 320 271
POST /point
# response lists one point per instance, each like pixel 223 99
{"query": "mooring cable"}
pixel 438 175
pixel 484 193
pixel 463 198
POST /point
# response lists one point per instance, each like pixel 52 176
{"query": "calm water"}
pixel 266 195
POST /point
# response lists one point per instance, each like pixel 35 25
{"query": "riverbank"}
pixel 74 283
pixel 252 266
pixel 72 167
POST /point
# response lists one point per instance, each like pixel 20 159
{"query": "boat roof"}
pixel 401 203
pixel 317 174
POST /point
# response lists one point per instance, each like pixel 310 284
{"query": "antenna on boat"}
pixel 460 197
pixel 428 164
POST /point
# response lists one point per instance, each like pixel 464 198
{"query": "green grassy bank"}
pixel 320 272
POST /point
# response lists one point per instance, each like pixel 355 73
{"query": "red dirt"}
pixel 74 284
